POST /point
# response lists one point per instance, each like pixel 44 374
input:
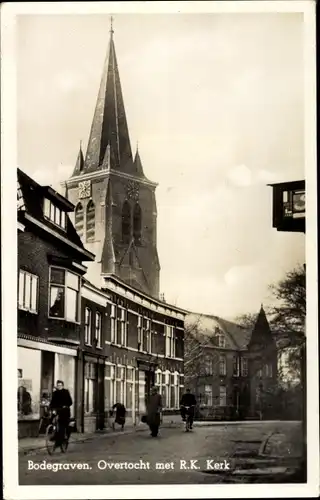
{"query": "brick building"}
pixel 231 369
pixel 50 266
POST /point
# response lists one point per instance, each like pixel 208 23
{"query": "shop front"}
pixel 39 366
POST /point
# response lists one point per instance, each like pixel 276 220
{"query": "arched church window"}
pixel 126 222
pixel 137 223
pixel 90 221
pixel 79 219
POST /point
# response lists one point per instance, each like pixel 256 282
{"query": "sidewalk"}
pixel 27 446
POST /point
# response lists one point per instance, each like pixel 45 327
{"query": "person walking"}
pixel 154 407
pixel 119 414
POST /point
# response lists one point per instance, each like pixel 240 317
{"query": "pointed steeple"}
pixel 109 125
pixel 137 163
pixel 79 163
pixel 261 333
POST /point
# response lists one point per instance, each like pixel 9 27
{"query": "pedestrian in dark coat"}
pixel 154 407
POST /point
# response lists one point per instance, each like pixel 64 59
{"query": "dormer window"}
pixel 54 214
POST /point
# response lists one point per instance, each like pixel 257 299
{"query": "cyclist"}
pixel 188 399
pixel 60 403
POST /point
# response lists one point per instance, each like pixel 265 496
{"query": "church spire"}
pixel 109 125
pixel 79 163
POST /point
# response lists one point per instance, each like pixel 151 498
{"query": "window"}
pixel 269 370
pixel 28 291
pixel 87 326
pixel 208 395
pixel 222 365
pixel 98 329
pixel 129 388
pixel 221 340
pixel 176 390
pixel 109 386
pixel 244 367
pixel 123 327
pixel 20 200
pixel 126 222
pixel 54 214
pixel 79 219
pixel 90 222
pixel 223 395
pixel 208 365
pixel 167 389
pixel 149 336
pixel 140 334
pixel 137 223
pixel 259 373
pixel 64 294
pixel 120 384
pixel 113 323
pixel 89 387
pixel 170 341
pixel 236 367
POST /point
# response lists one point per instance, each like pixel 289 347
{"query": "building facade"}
pixel 50 269
pixel 232 370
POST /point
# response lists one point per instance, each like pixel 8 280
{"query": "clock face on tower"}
pixel 84 189
pixel 133 190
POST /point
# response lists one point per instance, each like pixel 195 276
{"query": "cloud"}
pixel 240 175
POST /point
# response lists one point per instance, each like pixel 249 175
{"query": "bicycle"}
pixel 189 411
pixel 52 432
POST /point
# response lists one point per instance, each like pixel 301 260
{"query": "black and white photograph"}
pixel 160 326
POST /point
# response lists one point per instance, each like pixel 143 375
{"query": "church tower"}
pixel 115 204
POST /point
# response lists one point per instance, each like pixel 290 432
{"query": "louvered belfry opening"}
pixel 126 222
pixel 90 222
pixel 79 213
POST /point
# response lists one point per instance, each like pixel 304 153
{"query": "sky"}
pixel 216 102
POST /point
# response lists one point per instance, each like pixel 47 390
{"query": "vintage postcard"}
pixel 160 333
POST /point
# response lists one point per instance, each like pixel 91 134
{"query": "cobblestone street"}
pixel 219 443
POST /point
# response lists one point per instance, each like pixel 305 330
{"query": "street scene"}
pixel 245 453
pixel 162 268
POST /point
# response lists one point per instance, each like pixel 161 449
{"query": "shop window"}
pixel 28 291
pixel 54 214
pixel 47 375
pixel 223 395
pixel 64 295
pixel 29 378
